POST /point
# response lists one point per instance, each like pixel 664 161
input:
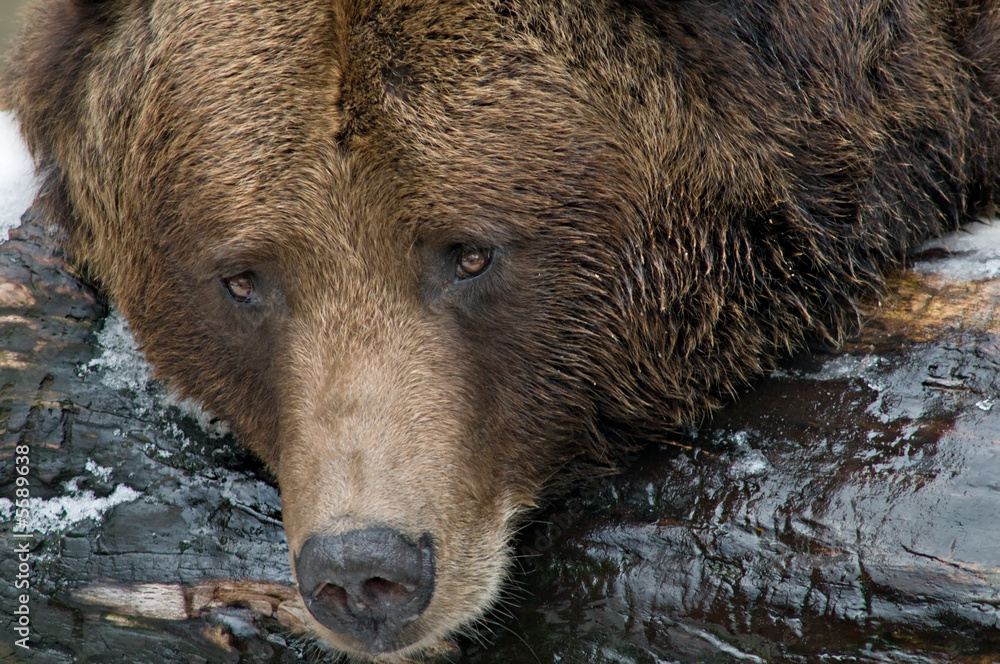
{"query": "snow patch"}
pixel 975 254
pixel 57 514
pixel 17 176
pixel 100 472
pixel 215 428
pixel 122 366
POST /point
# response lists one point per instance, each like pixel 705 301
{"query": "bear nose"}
pixel 368 584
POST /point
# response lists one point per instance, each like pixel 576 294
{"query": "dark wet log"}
pixel 845 508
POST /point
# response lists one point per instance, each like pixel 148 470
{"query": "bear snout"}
pixel 367 584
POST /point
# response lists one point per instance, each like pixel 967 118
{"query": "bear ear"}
pixel 41 80
pixel 50 30
pixel 42 84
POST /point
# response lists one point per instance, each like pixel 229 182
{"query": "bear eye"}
pixel 473 262
pixel 240 287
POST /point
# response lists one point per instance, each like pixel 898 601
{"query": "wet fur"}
pixel 678 192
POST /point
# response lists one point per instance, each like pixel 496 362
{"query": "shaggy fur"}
pixel 674 193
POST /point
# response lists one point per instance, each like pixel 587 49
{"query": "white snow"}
pixel 57 514
pixel 17 179
pixel 975 253
pixel 121 364
pixel 100 472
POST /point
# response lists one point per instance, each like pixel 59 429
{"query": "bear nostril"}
pixel 331 596
pixel 388 590
pixel 375 591
pixel 367 584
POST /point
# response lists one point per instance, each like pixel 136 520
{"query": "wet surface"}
pixel 844 508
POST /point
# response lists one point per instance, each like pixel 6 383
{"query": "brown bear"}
pixel 423 253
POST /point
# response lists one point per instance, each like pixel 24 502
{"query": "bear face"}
pixel 421 255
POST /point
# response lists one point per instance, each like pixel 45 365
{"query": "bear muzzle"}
pixel 367 584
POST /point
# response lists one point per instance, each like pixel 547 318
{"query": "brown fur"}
pixel 677 192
